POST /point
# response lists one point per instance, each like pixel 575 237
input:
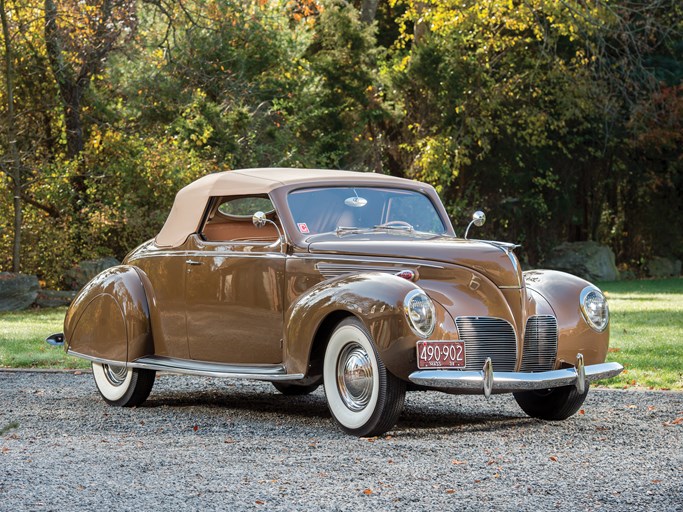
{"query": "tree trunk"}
pixel 12 137
pixel 368 11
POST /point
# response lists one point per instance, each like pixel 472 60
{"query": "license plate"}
pixel 440 354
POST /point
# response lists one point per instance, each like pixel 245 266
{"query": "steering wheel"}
pixel 397 223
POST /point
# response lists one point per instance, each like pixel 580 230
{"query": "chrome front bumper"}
pixel 487 381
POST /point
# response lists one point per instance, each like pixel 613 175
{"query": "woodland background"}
pixel 561 119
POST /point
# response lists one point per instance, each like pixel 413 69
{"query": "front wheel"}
pixel 122 386
pixel 363 397
pixel 551 404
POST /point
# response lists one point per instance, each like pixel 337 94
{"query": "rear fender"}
pixel 377 300
pixel 109 319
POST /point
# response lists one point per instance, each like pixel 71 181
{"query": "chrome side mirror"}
pixel 478 219
pixel 259 219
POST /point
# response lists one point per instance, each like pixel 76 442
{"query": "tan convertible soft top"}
pixel 190 201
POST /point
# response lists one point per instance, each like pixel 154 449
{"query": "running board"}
pixel 269 372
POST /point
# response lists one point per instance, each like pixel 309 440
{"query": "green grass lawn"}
pixel 646 335
pixel 646 332
pixel 22 340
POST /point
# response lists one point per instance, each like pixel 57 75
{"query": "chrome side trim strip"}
pixel 329 270
pixel 96 359
pixel 270 372
pixel 408 261
pixel 509 382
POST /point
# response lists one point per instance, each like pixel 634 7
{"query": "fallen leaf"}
pixel 650 408
pixel 450 491
pixel 259 502
pixel 553 458
pixel 78 372
pixel 195 428
pixel 367 492
pixel 459 462
pixel 613 349
pixel 229 440
pixel 656 481
pixel 582 412
pixel 677 421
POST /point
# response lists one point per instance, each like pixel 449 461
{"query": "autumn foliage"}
pixel 561 119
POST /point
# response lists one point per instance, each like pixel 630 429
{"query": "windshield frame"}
pixel 280 195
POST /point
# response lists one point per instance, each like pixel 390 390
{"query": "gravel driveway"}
pixel 210 444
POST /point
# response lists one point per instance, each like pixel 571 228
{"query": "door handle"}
pixel 193 262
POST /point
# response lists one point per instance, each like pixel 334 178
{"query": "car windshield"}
pixel 351 209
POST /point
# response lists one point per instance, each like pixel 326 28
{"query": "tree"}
pixel 14 160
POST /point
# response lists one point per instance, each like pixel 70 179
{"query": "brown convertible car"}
pixel 356 281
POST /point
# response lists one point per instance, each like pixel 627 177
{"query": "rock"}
pixel 662 267
pixel 17 291
pixel 627 275
pixel 54 298
pixel 589 260
pixel 77 277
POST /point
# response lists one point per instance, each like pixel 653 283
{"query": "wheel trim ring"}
pixel 354 377
pixel 116 375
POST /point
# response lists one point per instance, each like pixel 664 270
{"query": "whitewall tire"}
pixel 122 386
pixel 363 397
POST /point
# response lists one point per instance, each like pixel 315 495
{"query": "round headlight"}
pixel 420 312
pixel 594 308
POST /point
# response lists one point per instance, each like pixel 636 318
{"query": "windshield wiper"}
pixel 398 225
pixel 343 230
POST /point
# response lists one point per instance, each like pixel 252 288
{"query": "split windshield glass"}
pixel 348 209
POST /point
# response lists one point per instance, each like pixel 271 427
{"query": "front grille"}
pixel 540 344
pixel 488 337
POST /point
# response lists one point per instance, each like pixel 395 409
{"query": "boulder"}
pixel 663 267
pixel 17 291
pixel 78 277
pixel 589 260
pixel 54 298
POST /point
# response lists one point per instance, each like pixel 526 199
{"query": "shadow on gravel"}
pixel 447 422
pixel 315 406
pixel 312 406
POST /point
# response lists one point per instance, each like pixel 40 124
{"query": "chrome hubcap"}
pixel 116 375
pixel 354 377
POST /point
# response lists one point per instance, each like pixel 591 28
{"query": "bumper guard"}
pixel 487 381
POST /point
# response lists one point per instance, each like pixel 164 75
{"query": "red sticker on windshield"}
pixel 303 227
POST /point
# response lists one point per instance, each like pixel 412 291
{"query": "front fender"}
pixel 109 319
pixel 561 291
pixel 377 300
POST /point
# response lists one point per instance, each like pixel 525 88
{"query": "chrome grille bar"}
pixel 540 344
pixel 488 337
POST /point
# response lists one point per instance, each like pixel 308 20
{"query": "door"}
pixel 234 301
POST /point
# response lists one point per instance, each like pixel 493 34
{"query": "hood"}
pixel 495 260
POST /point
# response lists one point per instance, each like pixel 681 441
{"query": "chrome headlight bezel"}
pixel 420 312
pixel 596 317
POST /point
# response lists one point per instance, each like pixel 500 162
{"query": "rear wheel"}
pixel 122 386
pixel 289 389
pixel 551 404
pixel 363 397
